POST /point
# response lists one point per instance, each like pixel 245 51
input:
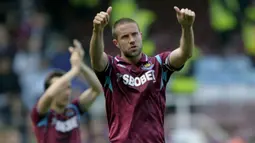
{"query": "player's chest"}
pixel 135 76
pixel 64 123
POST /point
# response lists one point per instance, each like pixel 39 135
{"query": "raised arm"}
pixel 56 87
pixel 99 58
pixel 179 56
pixel 89 95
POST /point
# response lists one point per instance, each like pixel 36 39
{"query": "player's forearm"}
pixel 91 78
pixel 187 42
pixel 87 98
pixel 98 61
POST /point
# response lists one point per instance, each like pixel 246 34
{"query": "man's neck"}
pixel 132 60
pixel 58 109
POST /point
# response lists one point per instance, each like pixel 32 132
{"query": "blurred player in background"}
pixel 135 84
pixel 54 118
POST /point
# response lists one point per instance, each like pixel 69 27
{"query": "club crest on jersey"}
pixel 147 66
pixel 69 112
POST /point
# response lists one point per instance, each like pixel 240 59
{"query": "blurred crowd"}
pixel 210 101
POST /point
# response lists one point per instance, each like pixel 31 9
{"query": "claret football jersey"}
pixel 58 128
pixel 135 98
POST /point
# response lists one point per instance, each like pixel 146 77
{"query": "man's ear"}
pixel 115 42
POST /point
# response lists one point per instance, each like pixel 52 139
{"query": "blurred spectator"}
pixel 9 93
pixel 5 46
pixel 57 52
pixel 28 60
pixel 236 139
pixel 30 65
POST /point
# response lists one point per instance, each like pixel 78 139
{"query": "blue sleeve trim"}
pixel 162 76
pixel 159 59
pixel 108 82
pixel 76 110
pixel 44 121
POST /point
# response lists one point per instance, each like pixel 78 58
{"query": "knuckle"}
pixel 104 13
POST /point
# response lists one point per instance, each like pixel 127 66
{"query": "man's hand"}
pixel 78 46
pixel 77 55
pixel 185 17
pixel 102 19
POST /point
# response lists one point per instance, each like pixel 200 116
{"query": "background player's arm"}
pixel 98 57
pixel 44 102
pixel 179 56
pixel 56 87
pixel 89 95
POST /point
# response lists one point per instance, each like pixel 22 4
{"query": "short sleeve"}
pixel 38 119
pixel 163 59
pixel 104 76
pixel 75 104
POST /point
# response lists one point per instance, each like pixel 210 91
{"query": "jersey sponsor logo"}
pixel 68 125
pixel 138 81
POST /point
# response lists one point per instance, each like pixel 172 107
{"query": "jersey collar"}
pixel 144 59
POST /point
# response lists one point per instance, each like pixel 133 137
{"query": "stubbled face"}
pixel 63 98
pixel 129 40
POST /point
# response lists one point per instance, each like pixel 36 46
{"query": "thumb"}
pixel 177 10
pixel 76 43
pixel 109 10
pixel 71 49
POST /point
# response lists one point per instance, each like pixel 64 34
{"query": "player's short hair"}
pixel 50 76
pixel 119 22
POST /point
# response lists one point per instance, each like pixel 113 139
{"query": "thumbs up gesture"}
pixel 102 19
pixel 185 17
